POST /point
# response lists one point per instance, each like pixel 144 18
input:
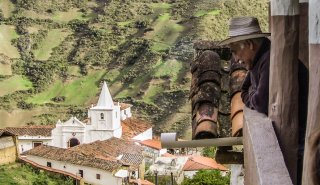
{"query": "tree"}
pixel 207 177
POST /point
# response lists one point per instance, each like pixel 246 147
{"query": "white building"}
pixel 105 120
pixel 101 162
pixel 97 149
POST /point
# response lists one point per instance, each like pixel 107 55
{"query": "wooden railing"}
pixel 263 160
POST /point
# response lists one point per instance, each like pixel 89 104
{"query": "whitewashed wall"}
pixel 144 135
pixel 26 142
pixel 89 174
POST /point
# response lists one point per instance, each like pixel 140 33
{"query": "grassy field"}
pixel 201 13
pixel 5 69
pixel 72 14
pixel 54 38
pixel 7 7
pixel 79 91
pixel 165 33
pixel 168 69
pixel 7 33
pixel 14 83
pixel 15 174
pixel 19 117
pixel 155 87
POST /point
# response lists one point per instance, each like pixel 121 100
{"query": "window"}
pixel 49 164
pixel 81 173
pixel 37 143
pixel 98 176
pixel 101 116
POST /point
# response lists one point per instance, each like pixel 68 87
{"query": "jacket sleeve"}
pixel 245 90
pixel 259 97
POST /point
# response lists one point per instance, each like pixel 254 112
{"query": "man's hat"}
pixel 243 28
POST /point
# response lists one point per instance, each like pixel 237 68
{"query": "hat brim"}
pixel 242 37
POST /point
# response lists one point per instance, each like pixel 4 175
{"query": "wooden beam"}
pixel 283 87
pixel 313 123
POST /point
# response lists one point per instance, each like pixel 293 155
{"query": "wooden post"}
pixel 313 124
pixel 303 33
pixel 283 87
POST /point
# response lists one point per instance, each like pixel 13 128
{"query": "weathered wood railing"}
pixel 263 160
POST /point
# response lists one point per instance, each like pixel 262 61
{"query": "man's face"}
pixel 242 53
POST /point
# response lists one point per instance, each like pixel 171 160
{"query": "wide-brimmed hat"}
pixel 243 28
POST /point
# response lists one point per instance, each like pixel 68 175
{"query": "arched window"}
pixel 101 116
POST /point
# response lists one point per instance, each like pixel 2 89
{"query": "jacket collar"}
pixel 264 47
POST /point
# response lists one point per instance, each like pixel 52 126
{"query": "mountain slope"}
pixel 65 49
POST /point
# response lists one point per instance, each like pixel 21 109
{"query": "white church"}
pixel 105 120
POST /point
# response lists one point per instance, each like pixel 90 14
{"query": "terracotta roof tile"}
pixel 73 157
pixel 112 148
pixel 195 163
pixel 133 126
pixel 32 130
pixel 152 143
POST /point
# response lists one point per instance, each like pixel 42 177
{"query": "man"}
pixel 249 45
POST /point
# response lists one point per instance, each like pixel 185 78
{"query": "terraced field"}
pixel 7 33
pixel 13 84
pixel 61 51
pixel 54 38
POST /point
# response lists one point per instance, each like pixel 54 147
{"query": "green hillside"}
pixel 54 55
pixel 16 173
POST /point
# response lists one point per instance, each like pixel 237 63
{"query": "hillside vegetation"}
pixel 54 55
pixel 16 173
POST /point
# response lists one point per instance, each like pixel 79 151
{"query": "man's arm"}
pixel 259 98
pixel 245 90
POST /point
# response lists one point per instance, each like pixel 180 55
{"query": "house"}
pixel 183 166
pixel 110 161
pixel 152 149
pixel 196 163
pixel 8 151
pixel 105 120
pixel 166 166
pixel 31 136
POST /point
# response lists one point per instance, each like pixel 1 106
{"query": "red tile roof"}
pixel 111 149
pixel 195 163
pixel 133 126
pixel 152 143
pixel 66 155
pixel 32 130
